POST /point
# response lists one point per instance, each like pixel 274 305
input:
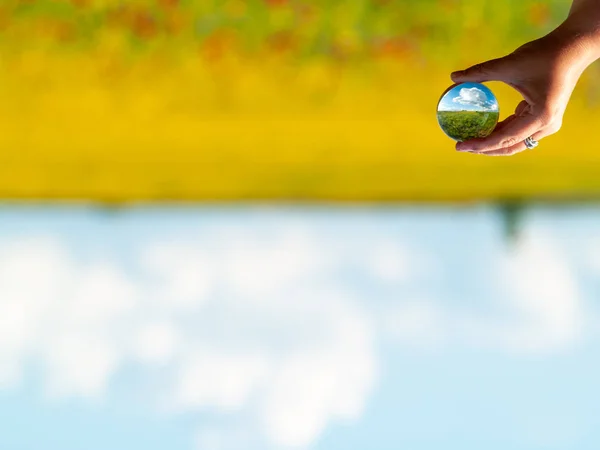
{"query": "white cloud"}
pixel 391 263
pixel 593 256
pixel 329 379
pixel 32 275
pixel 210 439
pixel 263 265
pixel 80 365
pixel 545 294
pixel 475 97
pixel 233 325
pixel 417 323
pixel 540 309
pixel 274 331
pixel 53 309
pixel 537 307
pixel 99 294
pixel 211 379
pixel 156 343
pixel 180 274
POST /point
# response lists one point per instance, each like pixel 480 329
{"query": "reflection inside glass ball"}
pixel 467 111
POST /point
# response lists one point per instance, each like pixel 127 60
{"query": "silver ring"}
pixel 531 143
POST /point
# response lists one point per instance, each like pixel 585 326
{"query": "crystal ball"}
pixel 467 111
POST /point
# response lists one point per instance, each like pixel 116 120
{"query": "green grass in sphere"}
pixel 465 125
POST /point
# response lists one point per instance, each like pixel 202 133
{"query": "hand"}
pixel 545 72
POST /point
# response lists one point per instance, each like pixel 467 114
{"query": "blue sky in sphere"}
pixel 468 97
pixel 298 328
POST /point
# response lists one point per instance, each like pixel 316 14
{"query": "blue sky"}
pixel 307 328
pixel 469 97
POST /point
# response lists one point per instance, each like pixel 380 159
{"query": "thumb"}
pixel 493 70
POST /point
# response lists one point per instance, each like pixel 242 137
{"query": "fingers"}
pixel 510 151
pixel 517 148
pixel 506 135
pixel 519 142
pixel 522 108
pixel 488 71
pixel 505 122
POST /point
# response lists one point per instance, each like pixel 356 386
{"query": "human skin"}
pixel 545 72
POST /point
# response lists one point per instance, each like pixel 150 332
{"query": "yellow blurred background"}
pixel 268 100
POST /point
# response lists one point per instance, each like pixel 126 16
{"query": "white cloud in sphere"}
pixel 476 98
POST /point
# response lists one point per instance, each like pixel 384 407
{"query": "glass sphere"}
pixel 467 111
